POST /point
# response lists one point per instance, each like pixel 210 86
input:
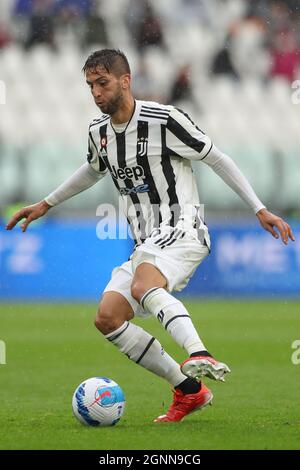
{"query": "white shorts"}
pixel 176 259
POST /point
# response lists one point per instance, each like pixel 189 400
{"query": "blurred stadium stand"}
pixel 228 63
pixel 232 65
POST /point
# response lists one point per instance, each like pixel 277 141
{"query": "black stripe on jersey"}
pixel 103 136
pixel 156 111
pixel 154 116
pixel 170 237
pixel 90 153
pixel 151 114
pixel 161 110
pixel 102 166
pixel 170 177
pixel 99 121
pixel 92 140
pixel 142 160
pixel 173 240
pixel 162 239
pixel 102 133
pixel 102 118
pixel 121 155
pixel 188 117
pixel 182 134
pixel 149 111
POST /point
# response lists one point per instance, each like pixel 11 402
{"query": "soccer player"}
pixel 147 148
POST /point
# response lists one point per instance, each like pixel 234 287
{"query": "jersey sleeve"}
pixel 93 156
pixel 226 169
pixel 82 179
pixel 184 138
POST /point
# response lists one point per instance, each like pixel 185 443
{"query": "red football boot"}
pixel 183 405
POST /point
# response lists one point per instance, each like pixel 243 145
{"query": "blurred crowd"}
pixel 228 63
pixel 49 22
pixel 263 40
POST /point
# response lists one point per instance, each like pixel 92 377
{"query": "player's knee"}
pixel 105 322
pixel 137 290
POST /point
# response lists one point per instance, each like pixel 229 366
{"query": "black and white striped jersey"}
pixel 150 164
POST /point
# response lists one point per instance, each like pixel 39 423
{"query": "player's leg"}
pixel 148 288
pixel 113 320
pixel 113 311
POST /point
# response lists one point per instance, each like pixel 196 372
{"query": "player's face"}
pixel 106 90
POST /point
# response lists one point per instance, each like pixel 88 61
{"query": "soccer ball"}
pixel 98 401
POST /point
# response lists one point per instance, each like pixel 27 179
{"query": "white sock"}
pixel 145 350
pixel 174 317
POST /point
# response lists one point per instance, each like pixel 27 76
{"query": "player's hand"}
pixel 271 221
pixel 29 213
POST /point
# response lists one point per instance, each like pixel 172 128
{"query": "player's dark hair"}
pixel 112 60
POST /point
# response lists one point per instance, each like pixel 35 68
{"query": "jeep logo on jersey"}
pixel 131 173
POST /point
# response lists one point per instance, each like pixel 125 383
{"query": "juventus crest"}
pixel 142 146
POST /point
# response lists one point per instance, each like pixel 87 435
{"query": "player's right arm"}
pixel 86 176
pixel 28 213
pixel 82 179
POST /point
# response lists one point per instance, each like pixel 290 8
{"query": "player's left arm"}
pixel 269 221
pixel 185 139
pixel 227 169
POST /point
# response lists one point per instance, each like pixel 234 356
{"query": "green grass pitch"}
pixel 50 349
